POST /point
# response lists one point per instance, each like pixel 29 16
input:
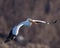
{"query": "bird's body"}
pixel 15 30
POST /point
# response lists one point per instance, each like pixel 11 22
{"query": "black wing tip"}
pixel 55 22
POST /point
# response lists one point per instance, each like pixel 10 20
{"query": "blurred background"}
pixel 13 12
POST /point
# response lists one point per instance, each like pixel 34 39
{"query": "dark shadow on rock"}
pixel 3 36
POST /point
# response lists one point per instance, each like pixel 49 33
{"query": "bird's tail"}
pixel 7 40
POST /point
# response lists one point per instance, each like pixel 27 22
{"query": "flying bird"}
pixel 15 30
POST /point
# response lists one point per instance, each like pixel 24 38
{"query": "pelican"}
pixel 15 30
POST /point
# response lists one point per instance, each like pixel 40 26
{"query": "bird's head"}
pixel 32 21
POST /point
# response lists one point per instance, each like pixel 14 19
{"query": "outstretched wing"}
pixel 39 21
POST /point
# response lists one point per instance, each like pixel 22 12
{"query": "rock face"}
pixel 13 12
